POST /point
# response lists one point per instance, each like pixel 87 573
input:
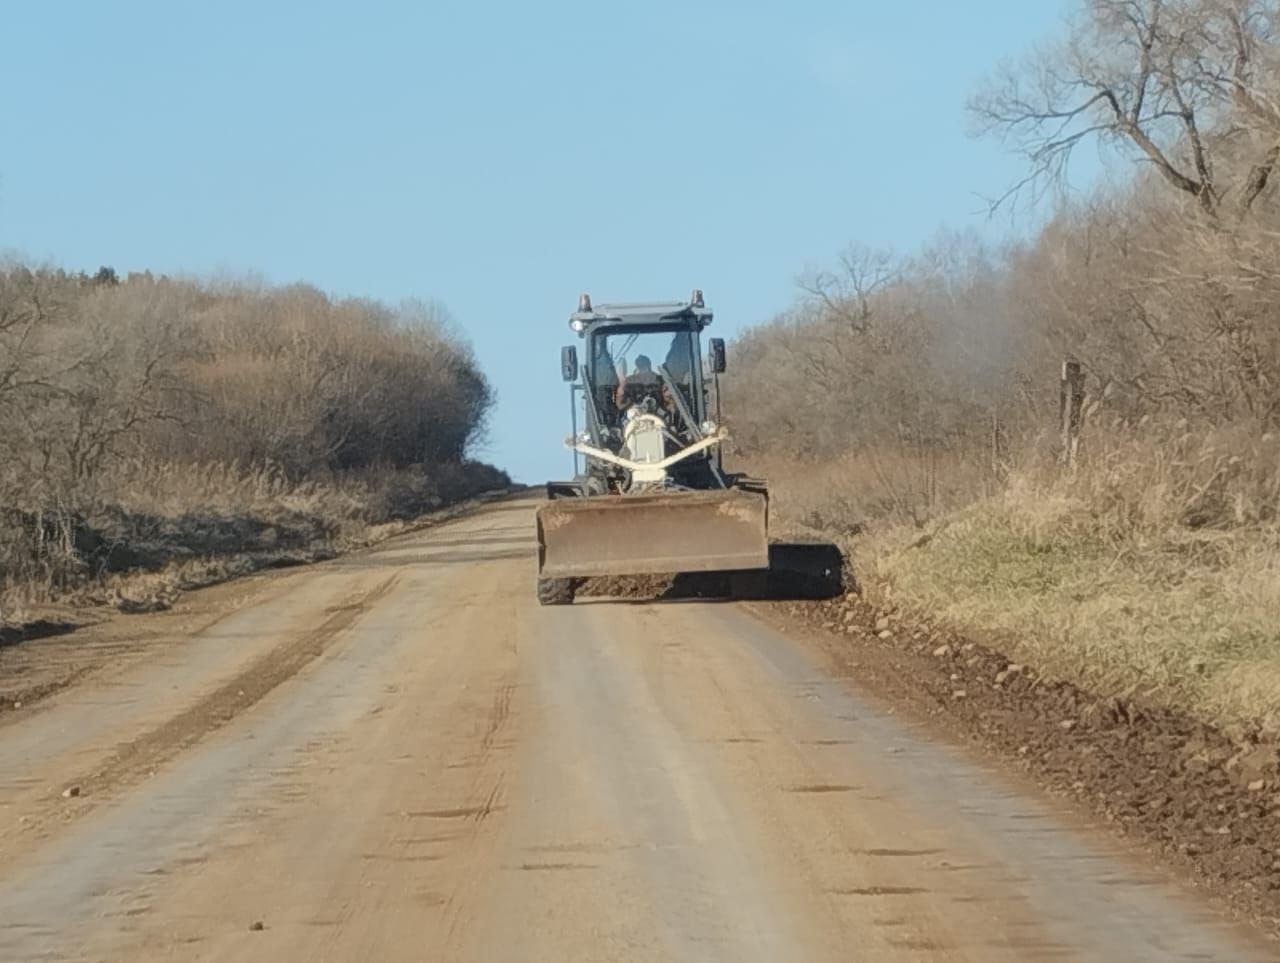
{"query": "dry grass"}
pixel 164 528
pixel 847 494
pixel 1182 621
pixel 1152 570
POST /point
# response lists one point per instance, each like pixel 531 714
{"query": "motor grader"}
pixel 650 494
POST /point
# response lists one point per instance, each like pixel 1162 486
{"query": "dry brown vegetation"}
pixel 917 397
pixel 149 420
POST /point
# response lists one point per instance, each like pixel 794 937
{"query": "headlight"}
pixel 577 325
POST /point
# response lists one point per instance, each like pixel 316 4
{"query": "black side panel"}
pixel 563 489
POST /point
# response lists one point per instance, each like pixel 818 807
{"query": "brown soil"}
pixel 475 766
pixel 638 587
pixel 91 629
pixel 1207 804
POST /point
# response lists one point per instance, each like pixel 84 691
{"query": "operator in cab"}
pixel 641 383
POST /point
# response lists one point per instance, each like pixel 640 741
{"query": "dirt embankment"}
pixel 1206 803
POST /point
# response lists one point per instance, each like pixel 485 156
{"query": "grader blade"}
pixel 694 531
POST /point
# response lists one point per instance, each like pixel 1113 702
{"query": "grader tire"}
pixel 557 591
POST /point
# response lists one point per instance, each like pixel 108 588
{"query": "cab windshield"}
pixel 620 354
pixel 631 366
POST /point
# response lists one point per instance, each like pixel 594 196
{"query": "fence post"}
pixel 1070 408
pixel 998 447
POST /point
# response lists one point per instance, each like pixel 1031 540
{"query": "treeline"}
pixel 94 370
pixel 112 389
pixel 931 375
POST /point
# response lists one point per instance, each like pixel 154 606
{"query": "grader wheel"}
pixel 557 591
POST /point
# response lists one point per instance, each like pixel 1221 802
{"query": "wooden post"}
pixel 997 448
pixel 1070 409
pixel 933 477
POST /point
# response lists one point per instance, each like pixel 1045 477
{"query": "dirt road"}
pixel 399 756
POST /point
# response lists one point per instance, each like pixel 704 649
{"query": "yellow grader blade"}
pixel 694 531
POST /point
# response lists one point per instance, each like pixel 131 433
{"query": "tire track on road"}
pixel 141 756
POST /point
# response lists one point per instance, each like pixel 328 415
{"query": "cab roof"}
pixel 640 312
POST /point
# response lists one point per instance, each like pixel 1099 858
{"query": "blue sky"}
pixel 500 157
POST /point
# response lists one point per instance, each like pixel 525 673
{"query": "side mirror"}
pixel 569 362
pixel 717 355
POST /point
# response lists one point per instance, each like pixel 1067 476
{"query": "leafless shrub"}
pixel 153 396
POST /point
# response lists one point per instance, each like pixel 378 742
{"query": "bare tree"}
pixel 846 293
pixel 31 303
pixel 1181 84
